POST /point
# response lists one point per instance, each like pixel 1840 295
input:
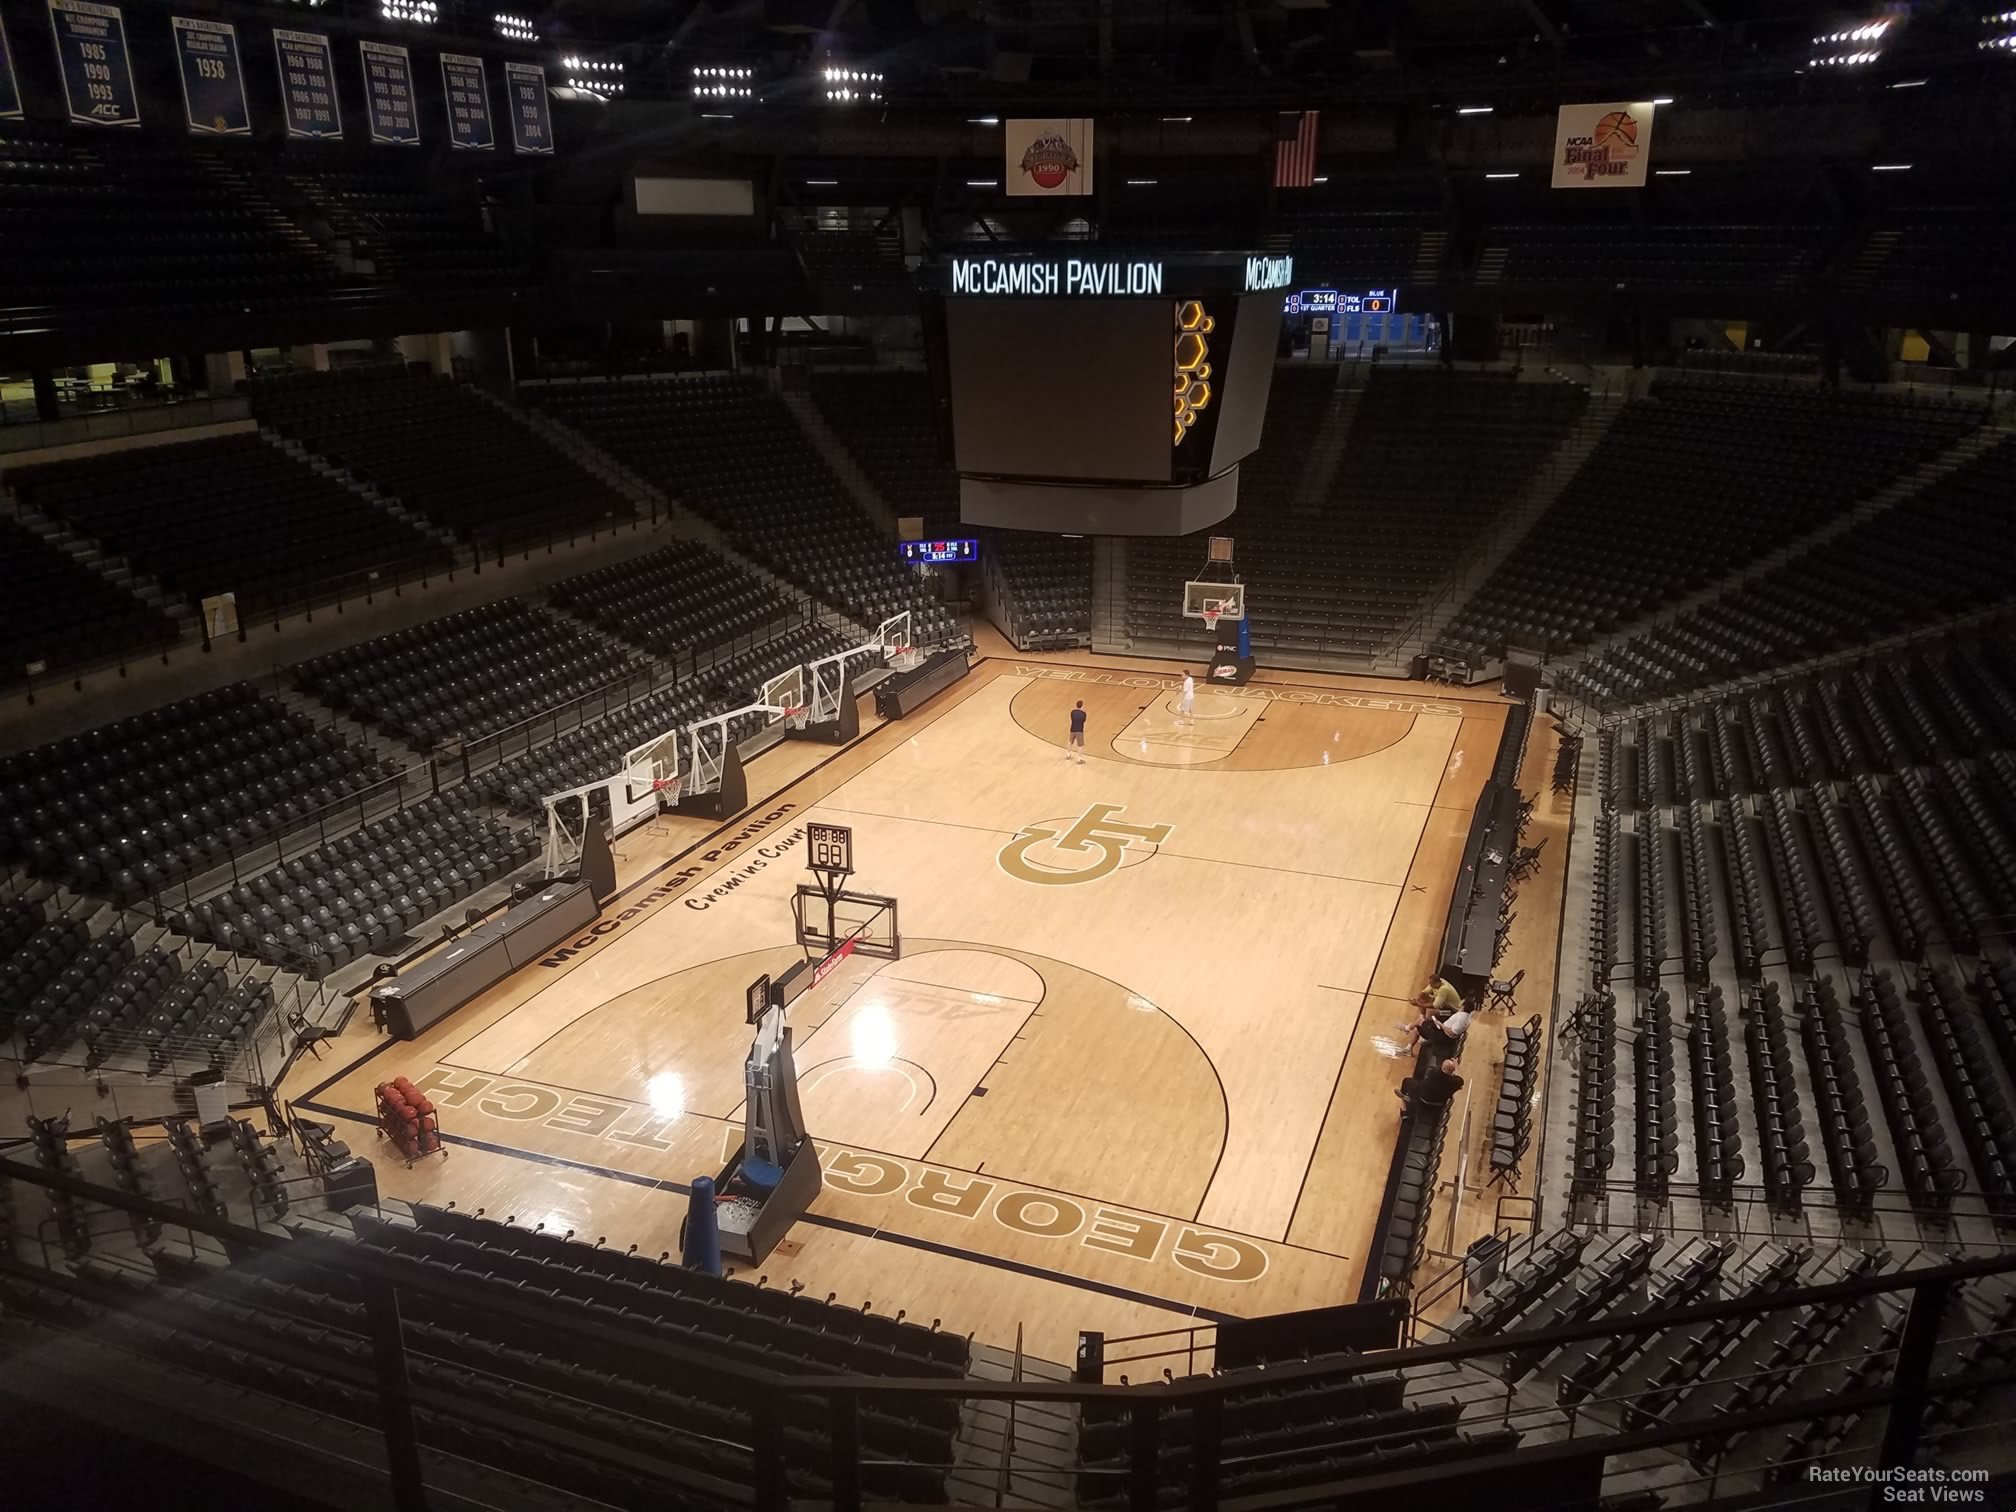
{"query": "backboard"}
pixel 825 924
pixel 1228 600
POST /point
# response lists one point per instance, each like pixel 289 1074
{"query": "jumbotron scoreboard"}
pixel 1104 395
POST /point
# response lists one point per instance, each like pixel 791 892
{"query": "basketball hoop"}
pixel 795 718
pixel 1210 619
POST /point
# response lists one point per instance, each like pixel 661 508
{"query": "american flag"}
pixel 1295 150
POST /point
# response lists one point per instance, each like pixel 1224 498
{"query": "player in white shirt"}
pixel 1188 706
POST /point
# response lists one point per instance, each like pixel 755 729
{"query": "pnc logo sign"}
pixel 1092 846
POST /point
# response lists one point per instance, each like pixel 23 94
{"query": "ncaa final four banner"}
pixel 1048 157
pixel 213 85
pixel 1603 146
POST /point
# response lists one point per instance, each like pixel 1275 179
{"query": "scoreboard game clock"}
pixel 830 849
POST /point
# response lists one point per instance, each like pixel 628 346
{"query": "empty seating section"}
pixel 249 1327
pixel 887 423
pixel 1657 1131
pixel 447 453
pixel 1431 461
pixel 1044 587
pixel 1936 554
pixel 732 452
pixel 136 805
pixel 1279 1438
pixel 674 601
pixel 126 222
pixel 1688 484
pixel 360 895
pixel 1931 1175
pixel 466 675
pixel 57 611
pixel 596 751
pixel 227 514
pixel 837 259
pixel 1942 253
pixel 1355 250
pixel 419 232
pixel 1692 255
pixel 1718 1138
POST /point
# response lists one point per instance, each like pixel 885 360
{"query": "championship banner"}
pixel 1047 158
pixel 388 94
pixel 97 71
pixel 213 85
pixel 10 91
pixel 531 121
pixel 307 84
pixel 1603 146
pixel 466 87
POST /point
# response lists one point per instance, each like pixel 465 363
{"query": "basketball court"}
pixel 1131 1068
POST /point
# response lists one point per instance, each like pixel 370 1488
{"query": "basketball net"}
pixel 1210 619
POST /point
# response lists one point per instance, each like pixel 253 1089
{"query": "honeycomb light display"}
pixel 1194 326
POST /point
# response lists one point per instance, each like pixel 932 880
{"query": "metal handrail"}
pixel 383 1277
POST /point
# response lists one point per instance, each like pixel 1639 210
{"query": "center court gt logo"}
pixel 1097 834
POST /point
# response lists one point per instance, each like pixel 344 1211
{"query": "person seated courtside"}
pixel 1430 1090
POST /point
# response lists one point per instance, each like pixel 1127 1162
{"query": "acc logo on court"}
pixel 1097 836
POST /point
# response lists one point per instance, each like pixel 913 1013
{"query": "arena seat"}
pixel 361 894
pixel 673 602
pixel 1717 475
pixel 1432 458
pixel 133 806
pixel 465 675
pixel 59 612
pixel 228 514
pixel 445 452
pixel 1043 582
pixel 732 452
pixel 422 232
pixel 135 222
pixel 1930 557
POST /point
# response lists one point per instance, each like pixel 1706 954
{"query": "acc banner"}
pixel 467 89
pixel 531 121
pixel 1051 157
pixel 1603 146
pixel 10 92
pixel 213 85
pixel 388 94
pixel 307 84
pixel 97 73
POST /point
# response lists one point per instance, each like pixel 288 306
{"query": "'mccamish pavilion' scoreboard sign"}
pixel 1045 276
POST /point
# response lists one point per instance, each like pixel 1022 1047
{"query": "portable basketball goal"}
pixel 691 762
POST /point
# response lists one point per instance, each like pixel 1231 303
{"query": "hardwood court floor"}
pixel 1133 1069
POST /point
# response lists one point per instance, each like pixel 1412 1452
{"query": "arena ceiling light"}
pixel 852 86
pixel 1662 99
pixel 1853 48
pixel 716 83
pixel 517 28
pixel 1501 175
pixel 1177 120
pixel 1142 183
pixel 983 183
pixel 823 183
pixel 419 12
pixel 1909 84
pixel 1889 167
pixel 983 120
pixel 1671 172
pixel 1475 109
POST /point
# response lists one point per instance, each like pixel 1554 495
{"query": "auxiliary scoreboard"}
pixel 953 552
